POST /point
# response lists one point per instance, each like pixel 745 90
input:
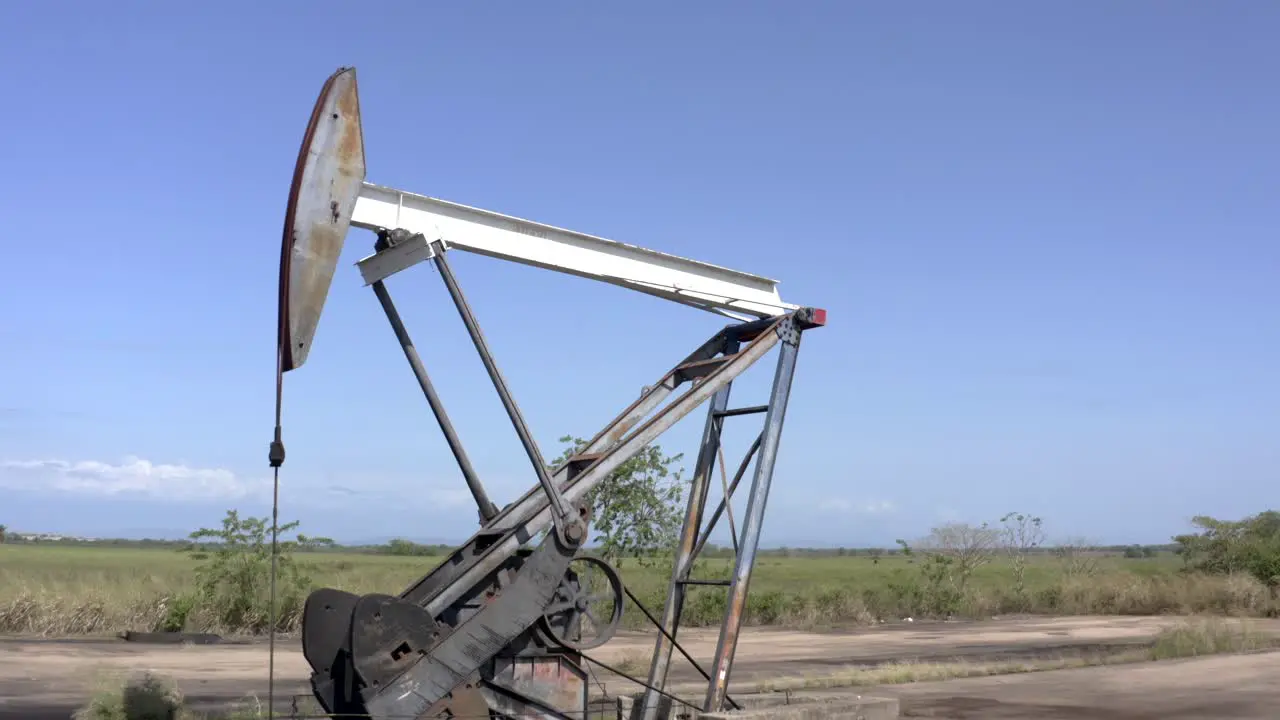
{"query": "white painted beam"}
pixel 691 282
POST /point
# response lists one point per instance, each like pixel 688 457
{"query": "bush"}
pixel 151 698
pixel 1251 545
pixel 145 698
pixel 233 581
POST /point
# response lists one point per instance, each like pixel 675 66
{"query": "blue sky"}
pixel 1045 234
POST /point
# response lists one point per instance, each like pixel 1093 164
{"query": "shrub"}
pixel 1251 545
pixel 150 698
pixel 233 581
pixel 144 698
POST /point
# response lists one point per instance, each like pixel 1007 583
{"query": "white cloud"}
pixel 137 478
pixel 132 477
pixel 432 498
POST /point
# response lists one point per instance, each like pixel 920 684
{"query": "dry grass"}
pixel 1208 636
pixel 1191 638
pixel 60 591
pixel 899 673
pixel 632 663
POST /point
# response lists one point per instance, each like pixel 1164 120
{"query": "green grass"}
pixel 85 590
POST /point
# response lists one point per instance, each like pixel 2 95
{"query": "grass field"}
pixel 85 590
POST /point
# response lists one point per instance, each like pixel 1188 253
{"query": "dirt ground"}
pixel 47 678
pixel 1226 687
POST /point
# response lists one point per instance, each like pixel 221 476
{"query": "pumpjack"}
pixel 505 625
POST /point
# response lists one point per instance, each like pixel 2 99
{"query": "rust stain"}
pixel 351 144
pixel 548 679
pixel 733 616
pixel 623 428
pixel 732 628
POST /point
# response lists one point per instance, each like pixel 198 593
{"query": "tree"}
pixel 636 510
pixel 1134 552
pixel 402 547
pixel 948 557
pixel 233 579
pixel 1077 556
pixel 1021 534
pixel 3 528
pixel 966 548
pixel 1251 545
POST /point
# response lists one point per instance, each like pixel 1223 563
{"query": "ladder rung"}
pixel 732 412
pixel 702 368
pixel 720 583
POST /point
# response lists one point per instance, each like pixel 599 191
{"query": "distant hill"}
pixel 383 540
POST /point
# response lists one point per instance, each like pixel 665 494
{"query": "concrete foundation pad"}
pixel 775 706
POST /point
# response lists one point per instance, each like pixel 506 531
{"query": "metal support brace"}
pixel 562 514
pixel 487 509
pixel 727 504
pixel 789 347
pixel 724 501
pixel 629 432
pixel 661 660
